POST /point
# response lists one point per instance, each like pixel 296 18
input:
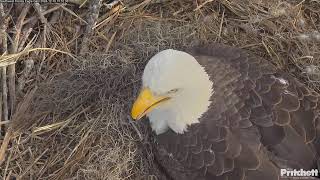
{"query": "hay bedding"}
pixel 72 121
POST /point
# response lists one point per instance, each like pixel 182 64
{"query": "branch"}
pixel 4 20
pixel 92 17
pixel 12 67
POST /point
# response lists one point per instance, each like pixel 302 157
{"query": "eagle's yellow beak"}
pixel 146 102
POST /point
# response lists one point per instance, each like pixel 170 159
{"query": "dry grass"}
pixel 75 124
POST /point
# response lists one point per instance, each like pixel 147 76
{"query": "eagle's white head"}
pixel 176 92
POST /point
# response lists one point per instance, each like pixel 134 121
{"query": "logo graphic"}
pixel 299 173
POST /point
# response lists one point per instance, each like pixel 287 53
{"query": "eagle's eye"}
pixel 173 91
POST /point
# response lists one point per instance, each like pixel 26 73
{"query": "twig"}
pixel 3 36
pixel 135 128
pixel 29 64
pixel 4 122
pixel 3 43
pixel 141 5
pixel 12 88
pixel 4 145
pixel 28 28
pixel 83 2
pixel 221 25
pixel 25 35
pixel 46 28
pixel 10 59
pixel 92 17
pixel 73 14
pixel 201 5
pixel 18 28
pixel 43 13
pixel 111 16
pixel 40 13
pixel 34 162
pixel 8 160
pixel 110 41
pixel 4 94
pixel 12 67
pixel 8 176
pixel 3 27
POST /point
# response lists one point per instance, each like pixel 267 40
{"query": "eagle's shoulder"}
pixel 260 119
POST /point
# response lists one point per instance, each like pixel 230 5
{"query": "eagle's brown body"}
pixel 260 120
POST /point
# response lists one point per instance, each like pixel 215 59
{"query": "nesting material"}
pixel 77 125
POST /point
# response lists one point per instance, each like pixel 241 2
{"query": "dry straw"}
pixel 75 124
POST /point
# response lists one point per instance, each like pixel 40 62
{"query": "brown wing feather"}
pixel 260 120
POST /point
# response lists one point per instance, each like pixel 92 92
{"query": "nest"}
pixel 77 69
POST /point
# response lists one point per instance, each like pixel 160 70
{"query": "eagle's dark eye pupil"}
pixel 173 90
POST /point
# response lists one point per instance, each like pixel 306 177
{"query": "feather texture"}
pixel 260 120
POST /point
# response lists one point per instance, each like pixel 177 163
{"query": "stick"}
pixel 12 67
pixel 4 146
pixel 43 13
pixel 3 27
pixel 203 4
pixel 12 88
pixel 40 13
pixel 92 17
pixel 5 94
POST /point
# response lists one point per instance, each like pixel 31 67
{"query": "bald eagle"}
pixel 219 112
